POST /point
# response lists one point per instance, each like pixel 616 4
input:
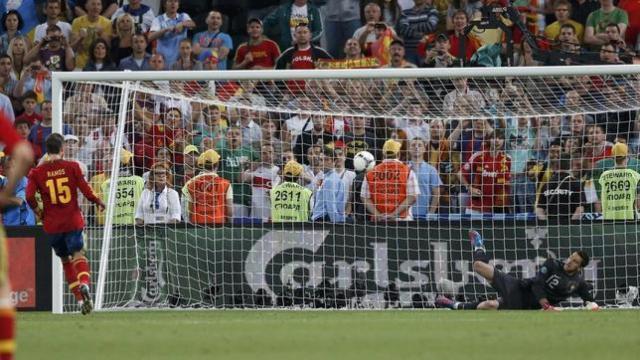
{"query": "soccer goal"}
pixel 547 133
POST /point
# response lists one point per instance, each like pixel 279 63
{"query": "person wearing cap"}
pixel 619 186
pixel 71 148
pixel 391 188
pixel 487 177
pixel 284 20
pixel 128 191
pixel 440 54
pixel 208 198
pixel 159 203
pixel 259 52
pixel 608 163
pixel 330 199
pixel 190 157
pixel 290 201
pixel 398 56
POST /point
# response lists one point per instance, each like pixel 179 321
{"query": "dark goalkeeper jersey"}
pixel 554 284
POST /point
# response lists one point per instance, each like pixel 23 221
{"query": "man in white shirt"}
pixel 262 178
pixel 159 204
pixel 52 10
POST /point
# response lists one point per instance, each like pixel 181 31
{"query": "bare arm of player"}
pixel 22 156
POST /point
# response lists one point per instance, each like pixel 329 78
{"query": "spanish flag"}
pixel 380 47
pixel 38 87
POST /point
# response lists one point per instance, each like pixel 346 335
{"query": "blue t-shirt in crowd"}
pixel 330 199
pixel 428 180
pixel 213 42
pixel 169 44
pixel 18 215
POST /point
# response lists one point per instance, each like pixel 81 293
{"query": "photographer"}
pixel 53 51
pixel 438 55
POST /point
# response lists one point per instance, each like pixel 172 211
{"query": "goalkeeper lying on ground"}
pixel 555 282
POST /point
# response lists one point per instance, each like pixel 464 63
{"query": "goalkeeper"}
pixel 555 282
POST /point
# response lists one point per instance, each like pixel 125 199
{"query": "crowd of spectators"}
pixel 510 165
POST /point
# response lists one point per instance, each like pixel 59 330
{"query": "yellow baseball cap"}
pixel 209 156
pixel 391 147
pixel 125 156
pixel 292 168
pixel 620 150
pixel 190 149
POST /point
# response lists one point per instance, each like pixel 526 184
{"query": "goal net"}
pixel 513 153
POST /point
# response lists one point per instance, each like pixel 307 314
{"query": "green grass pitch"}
pixel 306 335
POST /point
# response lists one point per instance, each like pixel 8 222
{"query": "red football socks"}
pixel 72 279
pixel 7 333
pixel 81 265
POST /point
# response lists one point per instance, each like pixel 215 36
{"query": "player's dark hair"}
pixel 568 26
pixel 54 143
pixel 29 95
pixel 584 256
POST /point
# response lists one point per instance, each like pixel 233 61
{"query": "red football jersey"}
pixel 492 175
pixel 264 54
pixel 58 182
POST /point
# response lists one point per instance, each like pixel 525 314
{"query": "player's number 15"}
pixel 59 191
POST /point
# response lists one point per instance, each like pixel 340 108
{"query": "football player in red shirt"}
pixel 58 181
pixel 487 175
pixel 22 155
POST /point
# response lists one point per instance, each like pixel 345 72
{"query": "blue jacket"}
pixel 129 64
pixel 18 215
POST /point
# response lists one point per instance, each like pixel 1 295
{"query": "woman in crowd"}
pixel 11 24
pixel 123 38
pixel 18 48
pixel 187 60
pixel 99 57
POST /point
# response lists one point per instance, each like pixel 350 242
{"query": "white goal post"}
pixel 410 268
